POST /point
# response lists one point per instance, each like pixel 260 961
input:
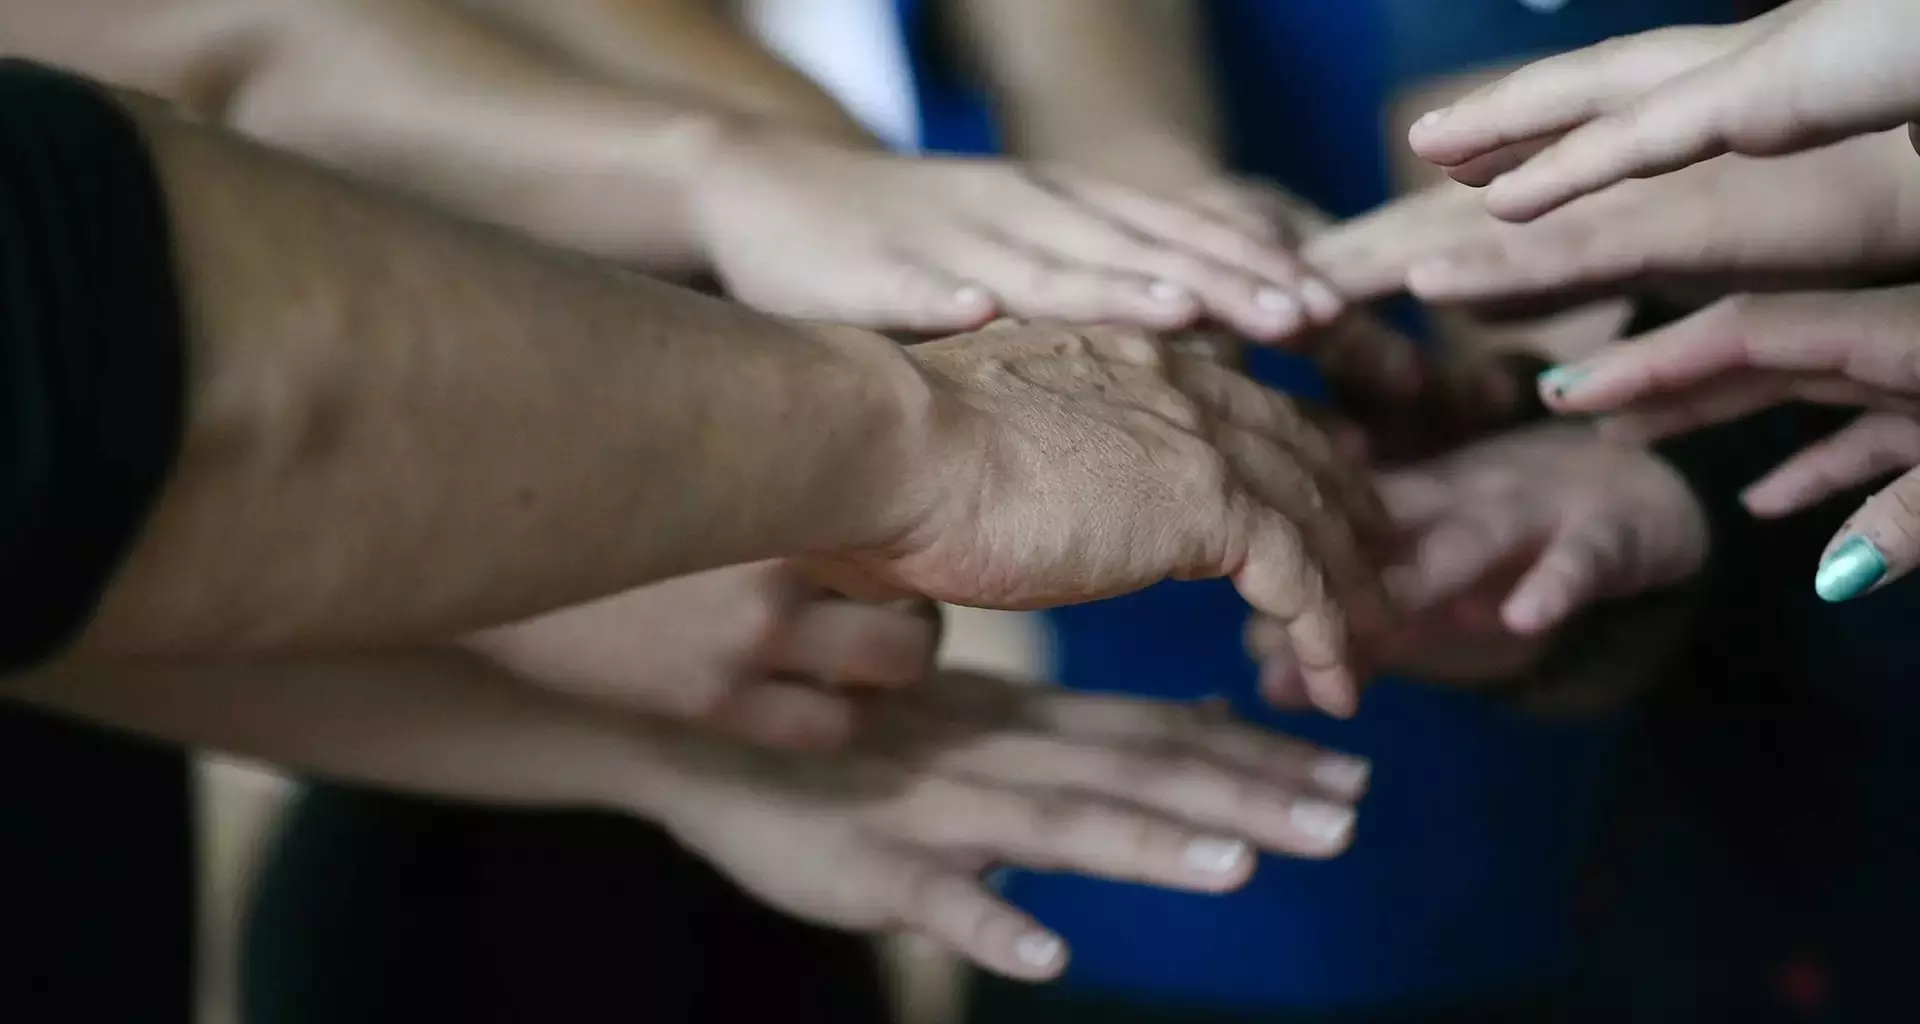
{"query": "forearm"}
pixel 1089 82
pixel 684 48
pixel 400 426
pixel 436 723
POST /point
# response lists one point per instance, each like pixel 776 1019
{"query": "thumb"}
pixel 1880 544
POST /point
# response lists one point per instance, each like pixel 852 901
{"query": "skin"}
pixel 888 835
pixel 1751 352
pixel 1511 540
pixel 1809 74
pixel 341 437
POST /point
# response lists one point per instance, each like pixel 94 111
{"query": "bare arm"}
pixel 1114 86
pixel 688 48
pixel 400 426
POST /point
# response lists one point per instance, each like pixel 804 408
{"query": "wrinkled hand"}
pixel 968 772
pixel 1737 223
pixel 743 650
pixel 1751 352
pixel 1509 539
pixel 1071 465
pixel 816 231
pixel 1809 74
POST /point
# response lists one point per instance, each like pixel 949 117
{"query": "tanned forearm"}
pixel 403 427
pixel 685 48
pixel 1085 82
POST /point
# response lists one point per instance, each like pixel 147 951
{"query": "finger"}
pixel 1572 573
pixel 1209 237
pixel 955 910
pixel 1066 831
pixel 1867 448
pixel 1450 557
pixel 1737 396
pixel 1878 545
pixel 1866 336
pixel 1369 257
pixel 1285 812
pixel 1029 284
pixel 1281 683
pixel 1482 170
pixel 1729 104
pixel 1189 730
pixel 1550 96
pixel 1241 402
pixel 787 716
pixel 896 294
pixel 1283 481
pixel 847 642
pixel 1279 578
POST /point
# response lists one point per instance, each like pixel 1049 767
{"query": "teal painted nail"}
pixel 1560 378
pixel 1852 570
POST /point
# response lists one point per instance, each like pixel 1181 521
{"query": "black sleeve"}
pixel 91 353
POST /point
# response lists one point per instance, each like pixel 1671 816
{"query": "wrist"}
pixel 893 412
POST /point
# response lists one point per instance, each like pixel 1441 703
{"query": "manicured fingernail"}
pixel 970 295
pixel 1038 949
pixel 1216 856
pixel 1328 823
pixel 1342 774
pixel 1852 570
pixel 1560 379
pixel 1321 300
pixel 1166 292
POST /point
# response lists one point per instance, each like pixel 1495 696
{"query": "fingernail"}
pixel 1852 570
pixel 1166 292
pixel 1322 301
pixel 970 295
pixel 1433 278
pixel 1286 311
pixel 1430 118
pixel 1038 949
pixel 1342 774
pixel 1328 823
pixel 1216 856
pixel 1558 380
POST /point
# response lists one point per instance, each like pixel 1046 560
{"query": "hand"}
pixel 1739 223
pixel 817 231
pixel 1070 466
pixel 1748 353
pixel 1502 124
pixel 740 650
pixel 968 772
pixel 1813 73
pixel 1510 538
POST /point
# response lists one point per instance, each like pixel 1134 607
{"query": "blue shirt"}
pixel 1464 873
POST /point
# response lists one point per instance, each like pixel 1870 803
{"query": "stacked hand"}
pixel 1057 466
pixel 1509 538
pixel 818 231
pixel 968 772
pixel 1811 73
pixel 755 651
pixel 1851 208
pixel 1747 353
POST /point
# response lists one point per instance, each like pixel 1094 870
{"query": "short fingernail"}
pixel 1039 950
pixel 1166 292
pixel 970 295
pixel 1216 856
pixel 1852 570
pixel 1321 300
pixel 1328 823
pixel 1342 774
pixel 1430 118
pixel 1286 311
pixel 1560 379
